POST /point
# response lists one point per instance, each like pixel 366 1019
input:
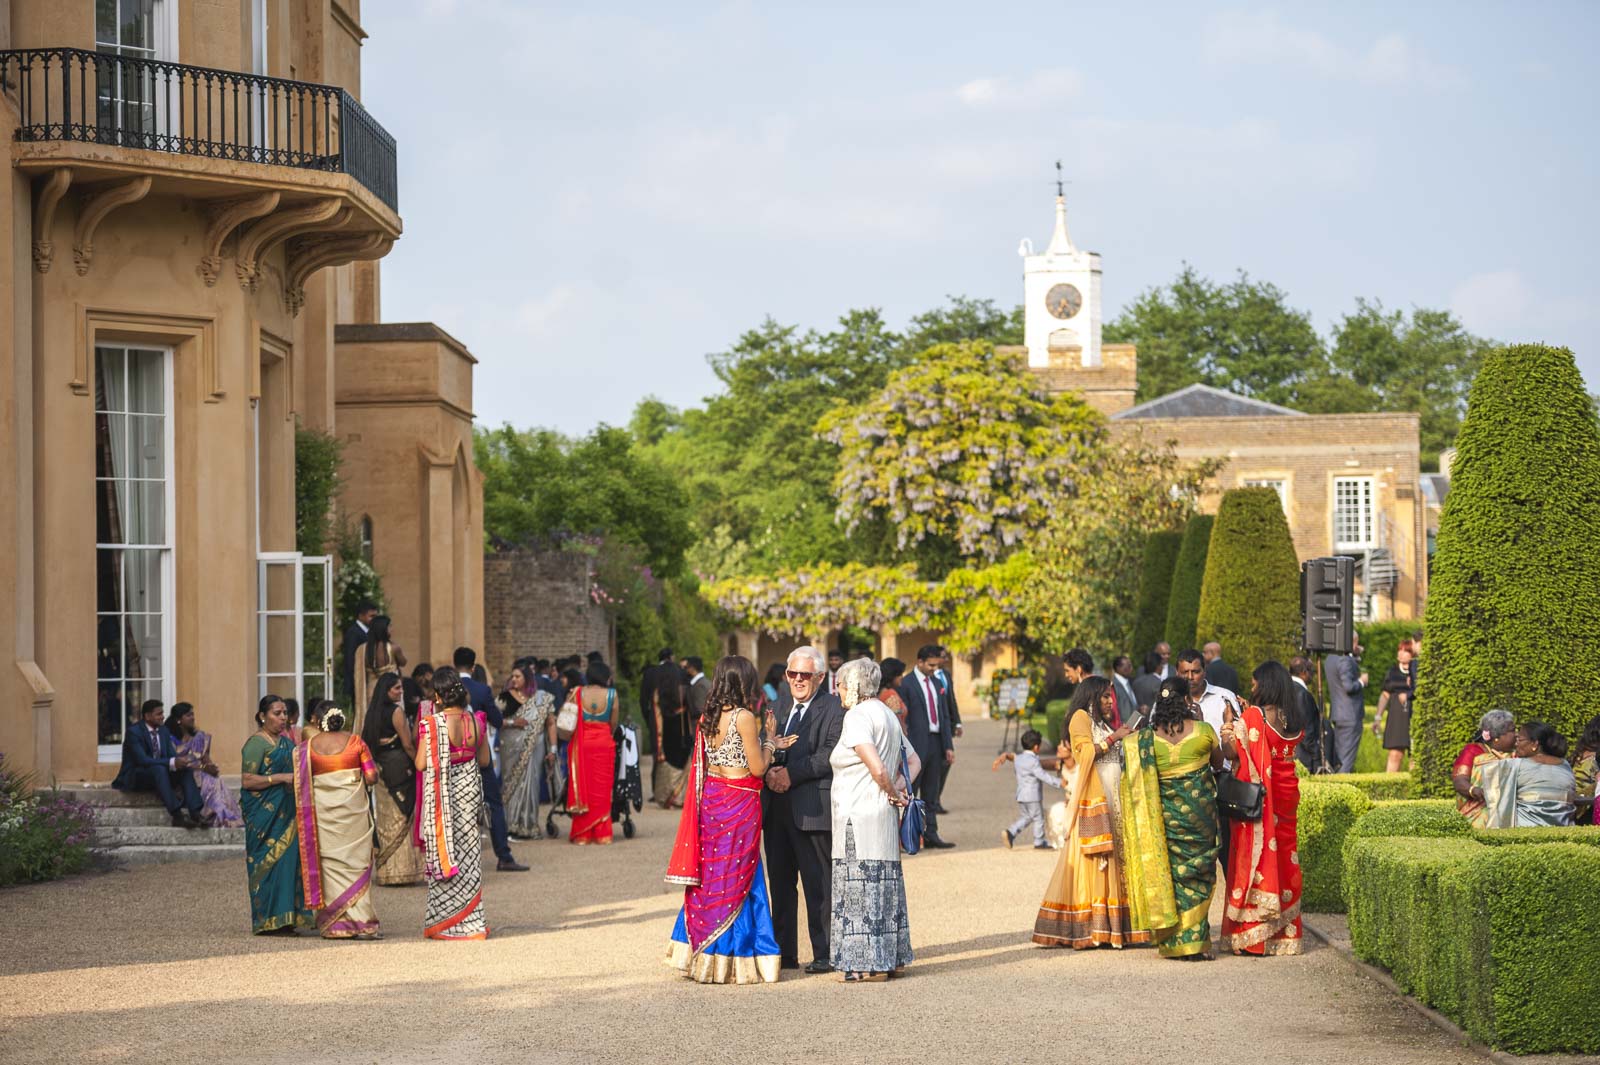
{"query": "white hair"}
pixel 819 661
pixel 859 681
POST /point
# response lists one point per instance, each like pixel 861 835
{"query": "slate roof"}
pixel 1203 401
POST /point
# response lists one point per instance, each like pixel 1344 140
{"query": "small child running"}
pixel 1030 799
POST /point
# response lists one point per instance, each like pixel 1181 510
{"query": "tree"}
pixel 537 485
pixel 961 453
pixel 1155 588
pixel 1087 556
pixel 1188 574
pixel 1250 599
pixel 316 486
pixel 1515 591
pixel 1242 336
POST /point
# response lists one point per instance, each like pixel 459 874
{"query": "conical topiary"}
pixel 1250 601
pixel 1155 588
pixel 1513 612
pixel 1183 604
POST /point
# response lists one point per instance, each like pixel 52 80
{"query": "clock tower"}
pixel 1061 300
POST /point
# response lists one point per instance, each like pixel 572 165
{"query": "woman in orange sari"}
pixel 592 758
pixel 333 773
pixel 1262 915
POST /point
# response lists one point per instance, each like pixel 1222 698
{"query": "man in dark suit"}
pixel 947 688
pixel 1122 685
pixel 931 729
pixel 1147 685
pixel 355 638
pixel 1311 751
pixel 482 701
pixel 797 809
pixel 1346 706
pixel 151 762
pixel 1218 673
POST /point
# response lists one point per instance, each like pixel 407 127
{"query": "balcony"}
pixel 304 162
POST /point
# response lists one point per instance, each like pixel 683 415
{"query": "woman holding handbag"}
pixel 1262 913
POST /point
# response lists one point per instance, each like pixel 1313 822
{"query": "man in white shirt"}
pixel 1215 705
pixel 1164 649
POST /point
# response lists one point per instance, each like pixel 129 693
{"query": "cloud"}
pixel 1262 38
pixel 1039 89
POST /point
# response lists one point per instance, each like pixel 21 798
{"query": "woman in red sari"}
pixel 592 758
pixel 1262 915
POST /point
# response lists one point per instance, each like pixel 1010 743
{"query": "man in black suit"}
pixel 1147 685
pixel 1218 673
pixel 930 727
pixel 355 638
pixel 482 701
pixel 797 810
pixel 1311 751
pixel 151 762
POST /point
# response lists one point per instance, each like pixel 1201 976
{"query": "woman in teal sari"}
pixel 271 853
pixel 1169 813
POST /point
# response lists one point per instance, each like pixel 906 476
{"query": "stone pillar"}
pixel 747 642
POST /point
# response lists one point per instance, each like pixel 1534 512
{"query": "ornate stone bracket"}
pixel 225 218
pixel 307 255
pixel 264 235
pixel 96 206
pixel 45 201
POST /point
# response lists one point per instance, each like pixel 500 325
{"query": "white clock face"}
pixel 1063 301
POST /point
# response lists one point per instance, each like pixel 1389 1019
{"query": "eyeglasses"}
pixel 795 674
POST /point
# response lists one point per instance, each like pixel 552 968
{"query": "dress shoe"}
pixel 789 963
pixel 511 867
pixel 179 820
pixel 819 966
pixel 936 843
pixel 1008 838
pixel 191 819
pixel 940 810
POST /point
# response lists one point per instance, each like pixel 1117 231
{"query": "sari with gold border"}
pixel 1262 915
pixel 335 829
pixel 271 855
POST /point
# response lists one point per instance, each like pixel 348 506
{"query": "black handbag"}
pixel 1239 799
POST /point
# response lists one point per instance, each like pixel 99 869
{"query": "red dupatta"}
pixel 684 867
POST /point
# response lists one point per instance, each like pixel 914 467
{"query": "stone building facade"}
pixel 185 248
pixel 537 602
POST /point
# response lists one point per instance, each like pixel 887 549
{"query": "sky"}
pixel 596 197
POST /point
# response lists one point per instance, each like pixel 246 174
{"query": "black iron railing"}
pixel 69 94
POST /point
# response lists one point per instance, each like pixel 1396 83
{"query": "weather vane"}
pixel 1060 190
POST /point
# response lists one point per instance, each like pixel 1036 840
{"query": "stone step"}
pixel 106 795
pixel 128 857
pixel 168 835
pixel 151 816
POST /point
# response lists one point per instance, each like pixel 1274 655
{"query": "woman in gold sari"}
pixel 1169 809
pixel 1085 905
pixel 332 772
pixel 1497 737
pixel 389 735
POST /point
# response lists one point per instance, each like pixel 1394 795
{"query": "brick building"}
pixel 538 602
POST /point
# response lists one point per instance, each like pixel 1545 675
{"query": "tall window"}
pixel 131 98
pixel 1354 518
pixel 366 537
pixel 1278 485
pixel 133 532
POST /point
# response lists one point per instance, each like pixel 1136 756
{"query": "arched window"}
pixel 366 537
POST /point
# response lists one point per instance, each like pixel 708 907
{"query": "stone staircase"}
pixel 133 828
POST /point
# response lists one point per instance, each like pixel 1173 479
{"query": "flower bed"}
pixel 42 836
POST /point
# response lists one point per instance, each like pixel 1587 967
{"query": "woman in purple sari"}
pixel 219 806
pixel 724 934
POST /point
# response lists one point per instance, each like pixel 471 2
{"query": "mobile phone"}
pixel 1136 721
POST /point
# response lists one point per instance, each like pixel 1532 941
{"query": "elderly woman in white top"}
pixel 871 935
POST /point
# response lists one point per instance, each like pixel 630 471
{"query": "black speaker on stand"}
pixel 1327 587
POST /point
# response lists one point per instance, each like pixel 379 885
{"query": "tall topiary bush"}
pixel 1515 590
pixel 1188 573
pixel 1250 599
pixel 1155 589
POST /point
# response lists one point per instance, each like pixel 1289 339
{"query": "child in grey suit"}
pixel 1031 776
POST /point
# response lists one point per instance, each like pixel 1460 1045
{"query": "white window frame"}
pixel 163 48
pixel 113 752
pixel 1367 528
pixel 1277 484
pixel 296 686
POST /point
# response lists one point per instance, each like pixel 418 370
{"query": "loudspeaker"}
pixel 1326 588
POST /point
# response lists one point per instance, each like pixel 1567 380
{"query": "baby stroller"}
pixel 627 789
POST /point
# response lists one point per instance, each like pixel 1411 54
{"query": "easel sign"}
pixel 1013 697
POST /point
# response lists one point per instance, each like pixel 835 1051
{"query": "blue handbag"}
pixel 914 817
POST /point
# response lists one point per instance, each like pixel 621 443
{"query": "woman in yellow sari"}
pixel 332 772
pixel 1085 905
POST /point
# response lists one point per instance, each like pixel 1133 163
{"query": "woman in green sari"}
pixel 1169 810
pixel 271 853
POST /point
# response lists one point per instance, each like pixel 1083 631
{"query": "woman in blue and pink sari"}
pixel 724 934
pixel 332 772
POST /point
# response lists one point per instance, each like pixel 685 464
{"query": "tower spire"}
pixel 1060 241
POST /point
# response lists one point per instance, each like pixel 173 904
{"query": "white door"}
pixel 294 626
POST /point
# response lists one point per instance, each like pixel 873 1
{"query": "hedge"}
pixel 1250 598
pixel 1425 818
pixel 1055 718
pixel 1586 835
pixel 1379 787
pixel 1327 812
pixel 1513 589
pixel 1498 938
pixel 1188 574
pixel 1155 589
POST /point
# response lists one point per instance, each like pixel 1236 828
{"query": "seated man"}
pixel 150 762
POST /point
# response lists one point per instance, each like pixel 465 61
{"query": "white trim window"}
pixel 133 534
pixel 132 101
pixel 1355 521
pixel 1277 484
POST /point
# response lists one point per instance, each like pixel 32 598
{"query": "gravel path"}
pixel 157 964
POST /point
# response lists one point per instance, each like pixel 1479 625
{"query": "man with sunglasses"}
pixel 797 808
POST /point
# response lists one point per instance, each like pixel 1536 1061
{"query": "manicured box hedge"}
pixel 1055 719
pixel 1499 938
pixel 1328 810
pixel 1379 787
pixel 1587 835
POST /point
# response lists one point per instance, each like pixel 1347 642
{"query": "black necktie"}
pixel 795 717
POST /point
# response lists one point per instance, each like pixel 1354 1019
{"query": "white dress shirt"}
pixel 1212 702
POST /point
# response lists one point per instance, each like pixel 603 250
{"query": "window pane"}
pixel 146 512
pixel 280 595
pixel 135 23
pixel 147 441
pixel 147 388
pixel 105 21
pixel 110 506
pixel 111 445
pixel 144 648
pixel 108 584
pixel 110 392
pixel 142 581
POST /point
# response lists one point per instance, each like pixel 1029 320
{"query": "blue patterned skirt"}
pixel 870 932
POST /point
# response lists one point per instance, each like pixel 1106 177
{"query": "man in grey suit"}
pixel 1122 684
pixel 1346 705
